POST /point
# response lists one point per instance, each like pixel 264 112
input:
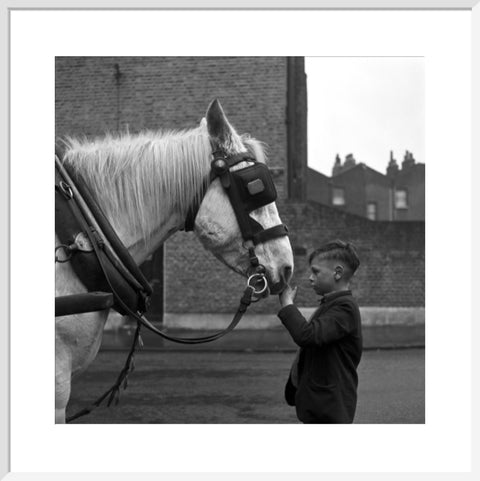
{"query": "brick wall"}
pixel 391 274
pixel 172 93
pixel 392 255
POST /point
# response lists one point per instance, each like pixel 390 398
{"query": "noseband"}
pixel 248 189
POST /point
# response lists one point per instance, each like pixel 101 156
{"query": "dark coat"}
pixel 330 351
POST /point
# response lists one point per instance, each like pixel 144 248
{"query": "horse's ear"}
pixel 218 126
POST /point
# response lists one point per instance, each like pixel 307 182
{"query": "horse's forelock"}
pixel 255 148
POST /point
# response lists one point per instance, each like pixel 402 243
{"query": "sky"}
pixel 365 106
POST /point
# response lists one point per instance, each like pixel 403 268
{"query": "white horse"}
pixel 146 184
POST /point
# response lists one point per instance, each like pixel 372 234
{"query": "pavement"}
pixel 258 340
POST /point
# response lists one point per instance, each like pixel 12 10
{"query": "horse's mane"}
pixel 127 172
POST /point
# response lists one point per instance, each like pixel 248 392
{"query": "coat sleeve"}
pixel 333 325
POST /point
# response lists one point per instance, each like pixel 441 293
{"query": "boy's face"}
pixel 322 277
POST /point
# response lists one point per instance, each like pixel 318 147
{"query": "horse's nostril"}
pixel 287 273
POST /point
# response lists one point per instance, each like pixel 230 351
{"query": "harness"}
pixel 248 189
pixel 97 255
pixel 103 263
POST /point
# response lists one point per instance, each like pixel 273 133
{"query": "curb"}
pixel 261 340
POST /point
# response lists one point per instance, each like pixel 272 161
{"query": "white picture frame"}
pixel 7 377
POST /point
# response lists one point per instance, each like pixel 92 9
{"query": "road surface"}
pixel 182 386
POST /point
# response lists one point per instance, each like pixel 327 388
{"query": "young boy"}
pixel 323 380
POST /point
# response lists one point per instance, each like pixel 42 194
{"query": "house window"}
pixel 338 196
pixel 372 210
pixel 401 199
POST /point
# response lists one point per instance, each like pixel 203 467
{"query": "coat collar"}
pixel 333 295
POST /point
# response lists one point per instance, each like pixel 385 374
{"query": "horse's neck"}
pixel 162 227
pixel 140 248
pixel 168 219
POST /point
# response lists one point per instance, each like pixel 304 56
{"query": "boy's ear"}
pixel 338 272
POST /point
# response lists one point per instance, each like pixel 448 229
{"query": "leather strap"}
pixel 230 162
pixel 80 303
pixel 94 268
pixel 271 233
pixel 109 232
pixel 245 301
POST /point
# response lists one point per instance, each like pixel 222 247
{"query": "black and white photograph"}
pixel 205 206
pixel 258 257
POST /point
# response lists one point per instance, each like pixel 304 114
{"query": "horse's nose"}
pixel 285 275
pixel 287 272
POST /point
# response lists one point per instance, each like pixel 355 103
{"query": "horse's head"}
pixel 218 225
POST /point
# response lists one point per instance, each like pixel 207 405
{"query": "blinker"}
pixel 248 189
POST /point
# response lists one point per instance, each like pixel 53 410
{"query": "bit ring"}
pixel 66 189
pixel 67 251
pixel 262 277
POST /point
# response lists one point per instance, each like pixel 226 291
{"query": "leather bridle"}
pixel 248 188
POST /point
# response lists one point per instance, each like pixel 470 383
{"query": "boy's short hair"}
pixel 338 249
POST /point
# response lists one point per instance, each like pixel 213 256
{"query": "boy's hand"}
pixel 287 296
